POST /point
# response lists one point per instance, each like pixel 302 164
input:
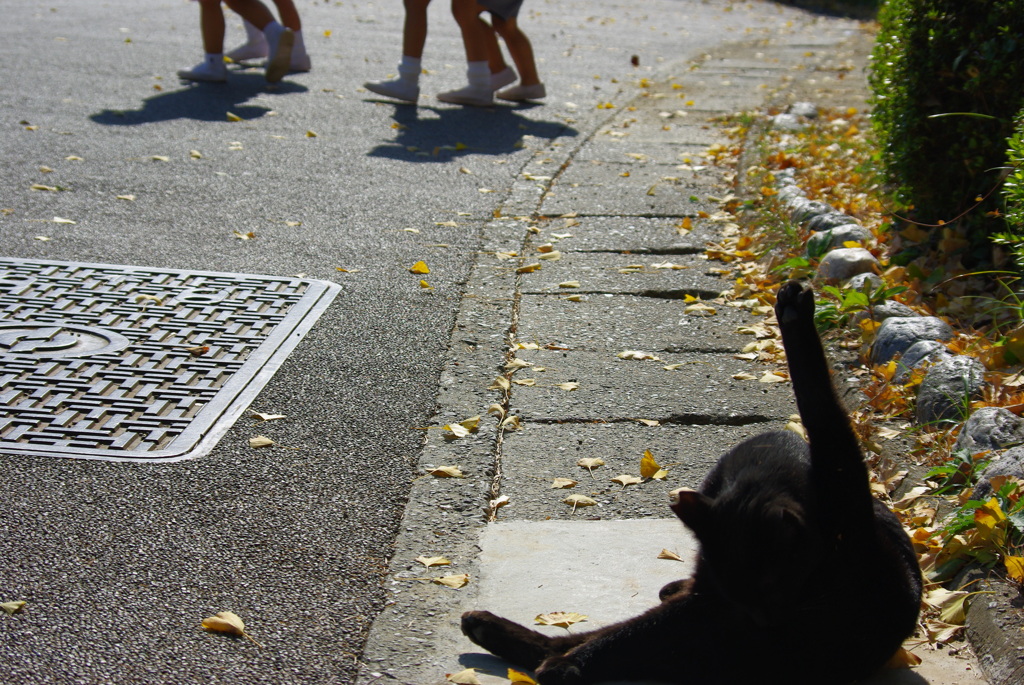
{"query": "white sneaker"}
pixel 399 89
pixel 301 62
pixel 503 78
pixel 475 96
pixel 523 93
pixel 254 49
pixel 206 71
pixel 280 59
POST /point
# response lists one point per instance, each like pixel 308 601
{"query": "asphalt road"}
pixel 119 562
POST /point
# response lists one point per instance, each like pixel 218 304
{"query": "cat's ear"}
pixel 692 508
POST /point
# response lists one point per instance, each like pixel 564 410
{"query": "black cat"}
pixel 803 577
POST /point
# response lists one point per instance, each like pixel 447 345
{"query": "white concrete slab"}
pixel 609 570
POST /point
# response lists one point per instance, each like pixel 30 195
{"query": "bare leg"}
pixel 289 15
pixel 520 48
pixel 414 32
pixel 211 22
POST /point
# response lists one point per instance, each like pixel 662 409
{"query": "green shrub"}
pixel 948 78
pixel 1013 196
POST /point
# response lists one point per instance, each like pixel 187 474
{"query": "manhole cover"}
pixel 125 363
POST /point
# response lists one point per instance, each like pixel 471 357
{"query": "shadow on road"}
pixel 434 134
pixel 201 101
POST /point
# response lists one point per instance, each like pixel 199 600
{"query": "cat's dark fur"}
pixel 803 577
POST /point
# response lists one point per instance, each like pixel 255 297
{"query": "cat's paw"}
pixel 478 626
pixel 793 303
pixel 675 588
pixel 559 670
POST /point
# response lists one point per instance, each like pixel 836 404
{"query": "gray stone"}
pixel 846 262
pixel 785 176
pixel 788 122
pixel 947 390
pixel 898 333
pixel 825 239
pixel 920 353
pixel 792 196
pixel 883 311
pixel 873 281
pixel 788 192
pixel 1011 463
pixel 806 211
pixel 804 109
pixel 990 428
pixel 824 222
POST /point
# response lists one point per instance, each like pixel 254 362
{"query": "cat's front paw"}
pixel 793 302
pixel 559 670
pixel 478 626
pixel 675 588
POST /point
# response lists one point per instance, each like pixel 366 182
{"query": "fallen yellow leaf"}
pixel 590 463
pixel 454 582
pixel 672 556
pixel 231 116
pixel 563 483
pixel 12 608
pixel 433 561
pixel 579 501
pixel 649 467
pixel 446 472
pixel 466 677
pixel 420 267
pixel 626 479
pixel 520 677
pixel 260 441
pixel 228 622
pixel 562 619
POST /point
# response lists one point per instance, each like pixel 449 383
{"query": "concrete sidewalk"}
pixel 614 206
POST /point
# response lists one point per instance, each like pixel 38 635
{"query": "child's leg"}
pixel 279 38
pixel 475 40
pixel 290 18
pixel 529 87
pixel 289 14
pixel 211 23
pixel 414 31
pixel 519 48
pixel 414 35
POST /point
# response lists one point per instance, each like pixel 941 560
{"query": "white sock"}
pixel 479 75
pixel 273 32
pixel 299 46
pixel 214 58
pixel 252 34
pixel 409 69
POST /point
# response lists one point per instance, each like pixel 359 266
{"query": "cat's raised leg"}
pixel 513 642
pixel 836 461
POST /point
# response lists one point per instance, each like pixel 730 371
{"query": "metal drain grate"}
pixel 125 363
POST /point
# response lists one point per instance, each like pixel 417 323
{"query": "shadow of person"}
pixel 201 101
pixel 435 134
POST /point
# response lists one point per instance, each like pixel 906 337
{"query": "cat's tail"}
pixel 513 642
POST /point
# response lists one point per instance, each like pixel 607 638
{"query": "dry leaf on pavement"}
pixel 590 463
pixel 454 582
pixel 433 561
pixel 562 619
pixel 466 677
pixel 228 622
pixel 12 608
pixel 446 472
pixel 649 468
